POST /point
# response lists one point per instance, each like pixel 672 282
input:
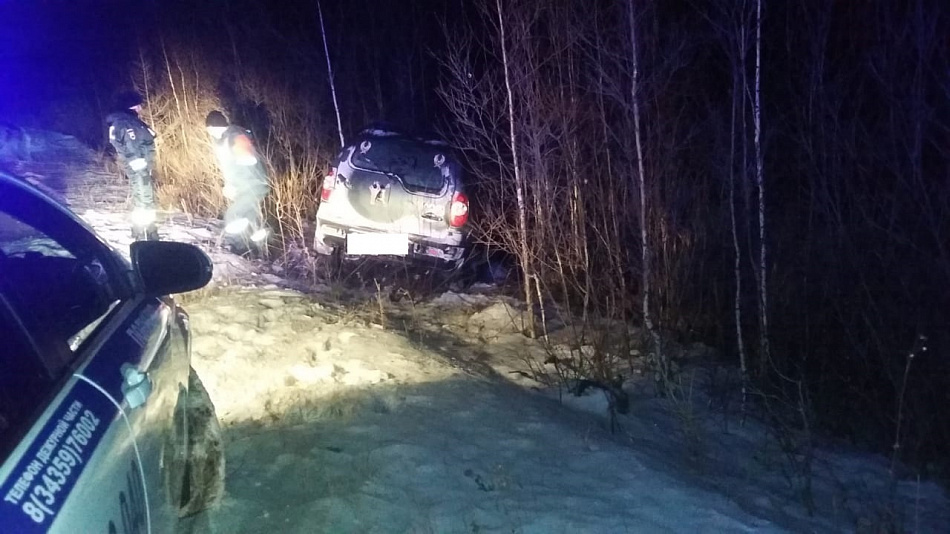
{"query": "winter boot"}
pixel 146 233
pixel 151 233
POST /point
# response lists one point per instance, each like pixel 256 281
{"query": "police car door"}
pixel 75 469
pixel 70 458
pixel 143 368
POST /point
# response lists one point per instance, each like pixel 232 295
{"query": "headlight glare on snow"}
pixel 259 235
pixel 237 226
pixel 143 216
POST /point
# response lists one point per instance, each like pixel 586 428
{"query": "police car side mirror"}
pixel 167 267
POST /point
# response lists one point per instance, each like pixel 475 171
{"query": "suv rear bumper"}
pixel 331 237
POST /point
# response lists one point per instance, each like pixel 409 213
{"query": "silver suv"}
pixel 391 194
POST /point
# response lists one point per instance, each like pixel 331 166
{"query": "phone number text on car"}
pixel 37 490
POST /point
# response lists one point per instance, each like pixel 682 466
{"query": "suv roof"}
pixel 379 130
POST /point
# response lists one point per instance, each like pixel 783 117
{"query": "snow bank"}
pixel 498 318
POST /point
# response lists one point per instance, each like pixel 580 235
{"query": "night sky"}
pixel 64 61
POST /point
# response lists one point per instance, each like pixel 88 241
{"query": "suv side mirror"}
pixel 167 267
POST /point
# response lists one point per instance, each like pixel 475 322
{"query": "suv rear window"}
pixel 419 166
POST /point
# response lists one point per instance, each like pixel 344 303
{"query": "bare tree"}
pixel 760 182
pixel 526 256
pixel 646 271
pixel 737 251
pixel 326 51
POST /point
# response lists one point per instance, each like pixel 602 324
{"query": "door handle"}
pixel 136 385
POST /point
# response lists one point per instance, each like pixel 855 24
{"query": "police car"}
pixel 95 376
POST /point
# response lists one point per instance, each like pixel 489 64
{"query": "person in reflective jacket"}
pixel 134 143
pixel 245 183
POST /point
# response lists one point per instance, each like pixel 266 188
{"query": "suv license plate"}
pixel 377 244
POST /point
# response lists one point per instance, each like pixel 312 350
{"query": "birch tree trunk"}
pixel 326 51
pixel 760 181
pixel 644 240
pixel 526 258
pixel 737 265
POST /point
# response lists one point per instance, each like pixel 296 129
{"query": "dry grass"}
pixel 181 89
pixel 179 95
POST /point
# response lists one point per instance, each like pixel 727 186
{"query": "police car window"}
pixel 23 381
pixel 20 239
pixel 61 283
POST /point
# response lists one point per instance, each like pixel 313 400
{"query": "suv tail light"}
pixel 458 210
pixel 329 183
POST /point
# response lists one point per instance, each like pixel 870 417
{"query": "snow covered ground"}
pixel 336 424
pixel 347 413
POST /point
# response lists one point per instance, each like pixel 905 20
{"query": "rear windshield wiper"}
pixel 397 176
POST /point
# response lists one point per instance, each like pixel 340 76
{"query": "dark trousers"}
pixel 143 194
pixel 246 204
pixel 143 198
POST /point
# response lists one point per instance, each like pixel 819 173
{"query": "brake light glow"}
pixel 329 184
pixel 458 210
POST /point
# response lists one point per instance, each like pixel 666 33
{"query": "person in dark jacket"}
pixel 245 183
pixel 134 143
